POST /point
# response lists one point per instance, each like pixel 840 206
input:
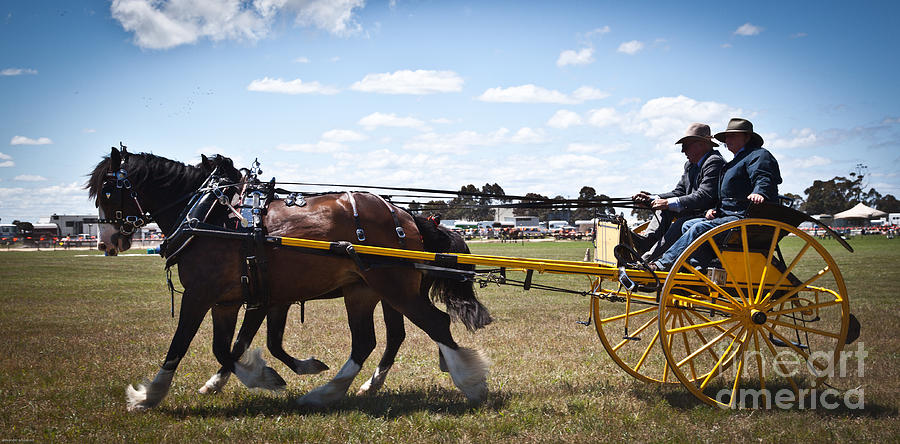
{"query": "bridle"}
pixel 118 183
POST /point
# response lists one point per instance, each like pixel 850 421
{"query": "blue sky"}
pixel 539 97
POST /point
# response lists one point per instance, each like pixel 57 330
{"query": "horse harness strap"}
pixel 360 234
pixel 397 227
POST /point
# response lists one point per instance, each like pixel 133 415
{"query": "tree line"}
pixel 477 208
pixel 842 193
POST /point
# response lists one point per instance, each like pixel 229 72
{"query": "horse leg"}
pixel 275 325
pixel 468 367
pixel 150 393
pixel 395 334
pixel 360 302
pixel 224 320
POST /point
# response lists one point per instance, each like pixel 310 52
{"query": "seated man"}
pixel 696 192
pixel 752 176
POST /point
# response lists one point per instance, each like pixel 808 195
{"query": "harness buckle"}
pixel 400 233
pixel 360 234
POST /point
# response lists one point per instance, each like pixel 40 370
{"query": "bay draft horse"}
pixel 129 185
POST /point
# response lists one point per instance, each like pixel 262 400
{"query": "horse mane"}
pixel 156 171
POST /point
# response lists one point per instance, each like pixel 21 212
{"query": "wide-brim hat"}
pixel 738 125
pixel 697 131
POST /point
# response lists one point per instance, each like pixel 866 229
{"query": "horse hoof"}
pixel 215 384
pixel 309 366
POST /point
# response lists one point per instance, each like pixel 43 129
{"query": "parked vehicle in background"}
pixel 9 234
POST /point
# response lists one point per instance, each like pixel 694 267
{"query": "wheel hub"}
pixel 758 317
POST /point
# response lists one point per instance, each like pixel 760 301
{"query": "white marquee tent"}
pixel 860 211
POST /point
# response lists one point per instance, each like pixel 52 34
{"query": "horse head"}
pixel 130 190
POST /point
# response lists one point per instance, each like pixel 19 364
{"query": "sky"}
pixel 543 97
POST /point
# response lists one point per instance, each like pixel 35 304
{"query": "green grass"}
pixel 76 330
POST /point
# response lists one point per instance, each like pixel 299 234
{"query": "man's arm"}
pixel 707 192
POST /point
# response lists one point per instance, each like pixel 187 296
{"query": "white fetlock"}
pixel 468 370
pixel 334 390
pixel 215 384
pixel 375 382
pixel 149 393
pixel 252 371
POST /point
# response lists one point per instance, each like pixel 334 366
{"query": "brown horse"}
pixel 129 186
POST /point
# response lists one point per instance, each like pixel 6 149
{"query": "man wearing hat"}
pixel 752 176
pixel 696 192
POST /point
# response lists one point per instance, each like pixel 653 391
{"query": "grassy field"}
pixel 77 329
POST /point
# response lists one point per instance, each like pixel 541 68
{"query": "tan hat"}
pixel 697 131
pixel 738 125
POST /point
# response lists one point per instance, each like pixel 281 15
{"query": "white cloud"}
pixel 524 94
pixel 586 93
pixel 462 141
pixel 564 119
pixel 22 140
pixel 339 135
pixel 725 45
pixel 410 82
pixel 322 147
pixel 301 60
pixel 890 120
pixel 88 131
pixel 7 164
pixel 18 71
pixel 809 162
pixel 535 94
pixel 571 57
pixel 5 156
pixel 798 35
pixel 631 47
pixel 528 135
pixel 163 24
pixel 798 139
pixel 747 30
pixel 29 178
pixel 441 121
pixel 295 86
pixel 377 119
pixel 334 16
pixel 603 117
pixel 598 31
pixel 585 148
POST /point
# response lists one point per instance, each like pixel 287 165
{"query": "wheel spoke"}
pixel 802 286
pixel 787 271
pixel 740 368
pixel 703 338
pixel 781 365
pixel 687 348
pixel 759 365
pixel 704 318
pixel 709 344
pixel 617 317
pixel 805 328
pixel 703 303
pixel 762 279
pixel 729 275
pixel 635 333
pixel 703 325
pixel 719 362
pixel 804 307
pixel 746 254
pixel 640 362
pixel 712 284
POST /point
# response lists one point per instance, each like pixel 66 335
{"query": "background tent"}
pixel 860 211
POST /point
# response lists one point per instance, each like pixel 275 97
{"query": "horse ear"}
pixel 115 160
pixel 205 162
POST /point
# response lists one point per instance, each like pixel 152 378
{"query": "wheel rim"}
pixel 639 358
pixel 791 308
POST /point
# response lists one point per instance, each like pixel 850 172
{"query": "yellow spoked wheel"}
pixel 630 334
pixel 773 306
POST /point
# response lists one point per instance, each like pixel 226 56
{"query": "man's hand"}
pixel 642 198
pixel 660 204
pixel 756 198
pixel 711 213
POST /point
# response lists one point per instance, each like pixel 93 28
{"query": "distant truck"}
pixel 9 234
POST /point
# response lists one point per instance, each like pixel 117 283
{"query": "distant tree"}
pixel 642 213
pixel 24 227
pixel 888 204
pixel 435 207
pixel 414 207
pixel 531 211
pixel 484 210
pixel 798 203
pixel 838 194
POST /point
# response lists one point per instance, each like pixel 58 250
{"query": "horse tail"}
pixel 456 292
